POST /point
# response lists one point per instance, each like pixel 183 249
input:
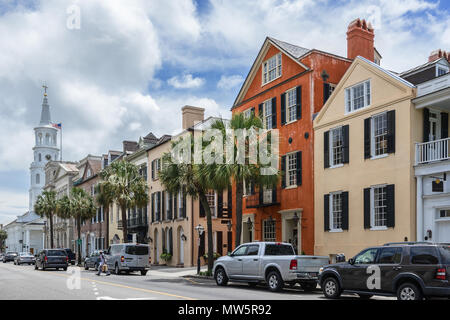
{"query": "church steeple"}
pixel 45 113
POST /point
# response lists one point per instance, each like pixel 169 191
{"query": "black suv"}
pixel 71 256
pixel 411 271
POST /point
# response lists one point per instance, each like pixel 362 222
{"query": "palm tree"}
pixel 222 175
pixel 192 180
pixel 105 198
pixel 3 236
pixel 46 206
pixel 128 186
pixel 80 206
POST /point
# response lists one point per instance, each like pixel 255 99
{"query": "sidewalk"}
pixel 173 272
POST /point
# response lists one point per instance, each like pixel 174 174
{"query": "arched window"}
pixel 40 138
pixel 54 139
pixel 47 138
pixel 38 179
pixel 40 157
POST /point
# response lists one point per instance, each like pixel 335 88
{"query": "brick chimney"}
pixel 131 146
pixel 360 40
pixel 437 54
pixel 192 115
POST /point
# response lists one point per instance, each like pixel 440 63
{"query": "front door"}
pixel 442 223
pixel 435 126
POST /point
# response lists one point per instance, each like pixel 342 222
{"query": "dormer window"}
pixel 89 173
pixel 441 70
pixel 271 69
pixel 358 96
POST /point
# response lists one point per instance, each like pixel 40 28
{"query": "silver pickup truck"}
pixel 271 262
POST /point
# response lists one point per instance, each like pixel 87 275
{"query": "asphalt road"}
pixel 25 283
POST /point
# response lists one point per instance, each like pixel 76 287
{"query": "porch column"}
pixel 419 218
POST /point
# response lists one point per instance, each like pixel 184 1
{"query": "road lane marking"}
pixel 132 288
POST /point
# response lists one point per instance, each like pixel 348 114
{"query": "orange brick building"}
pixel 286 86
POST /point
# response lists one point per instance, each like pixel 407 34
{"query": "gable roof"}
pixel 358 60
pixel 292 51
pixel 422 66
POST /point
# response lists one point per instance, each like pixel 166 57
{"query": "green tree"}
pixel 128 186
pixel 105 198
pixel 221 175
pixel 79 206
pixel 46 206
pixel 3 237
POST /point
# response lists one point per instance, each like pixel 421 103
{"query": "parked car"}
pixel 9 256
pixel 128 257
pixel 52 258
pixel 410 271
pixel 24 257
pixel 1 255
pixel 92 261
pixel 71 255
pixel 271 262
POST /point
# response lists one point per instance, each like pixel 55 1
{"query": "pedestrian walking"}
pixel 103 266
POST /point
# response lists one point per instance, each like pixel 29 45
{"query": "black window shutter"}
pixel 299 102
pixel 202 244
pixel 346 144
pixel 260 111
pixel 283 172
pixel 283 108
pixel 326 212
pixel 153 170
pixel 444 125
pixel 202 210
pixel 367 208
pixel 426 124
pixel 391 131
pixel 390 201
pixel 220 242
pixel 163 206
pixel 252 187
pixel 153 207
pixel 230 201
pixel 252 110
pixel 326 149
pixel 174 200
pixel 159 206
pixel 184 204
pixel 326 92
pixel 170 241
pixel 274 112
pixel 261 195
pixel 345 210
pixel 169 195
pixel 299 168
pixel 367 149
pixel 274 195
pixel 220 204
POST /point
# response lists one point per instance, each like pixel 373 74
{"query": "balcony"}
pixel 264 198
pixel 138 221
pixel 434 92
pixel 432 151
pixel 433 85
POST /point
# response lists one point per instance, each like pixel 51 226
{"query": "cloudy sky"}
pixel 133 64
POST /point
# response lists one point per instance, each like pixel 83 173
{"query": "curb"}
pixel 198 277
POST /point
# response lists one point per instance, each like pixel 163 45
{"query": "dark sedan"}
pixel 52 258
pixel 9 256
pixel 24 257
pixel 92 261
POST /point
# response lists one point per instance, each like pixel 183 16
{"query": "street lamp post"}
pixel 200 230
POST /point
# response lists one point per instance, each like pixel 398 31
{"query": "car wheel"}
pixel 309 286
pixel 365 296
pixel 221 277
pixel 409 291
pixel 65 268
pixel 116 269
pixel 274 281
pixel 86 266
pixel 331 288
pixel 143 272
pixel 57 269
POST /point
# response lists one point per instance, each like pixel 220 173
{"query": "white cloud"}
pixel 12 204
pixel 186 81
pixel 230 82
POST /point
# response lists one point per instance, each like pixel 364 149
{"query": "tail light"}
pixel 45 259
pixel 67 259
pixel 122 259
pixel 441 274
pixel 149 260
pixel 293 265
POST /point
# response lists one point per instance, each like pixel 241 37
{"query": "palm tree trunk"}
pixel 79 237
pixel 101 225
pixel 205 205
pixel 51 231
pixel 239 195
pixel 107 227
pixel 124 224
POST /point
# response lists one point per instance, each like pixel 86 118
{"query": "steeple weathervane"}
pixel 45 89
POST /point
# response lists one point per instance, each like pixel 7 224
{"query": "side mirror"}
pixel 351 261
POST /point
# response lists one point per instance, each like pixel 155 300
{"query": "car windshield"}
pixel 279 250
pixel 58 253
pixel 136 250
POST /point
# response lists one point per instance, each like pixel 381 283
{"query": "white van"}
pixel 128 257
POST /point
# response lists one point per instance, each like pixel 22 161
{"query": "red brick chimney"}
pixel 437 54
pixel 360 40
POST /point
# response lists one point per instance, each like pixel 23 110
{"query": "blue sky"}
pixel 133 64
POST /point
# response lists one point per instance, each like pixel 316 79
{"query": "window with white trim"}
pixel 267 195
pixel 247 113
pixel 267 110
pixel 269 232
pixel 441 70
pixel 336 211
pixel 358 96
pixel 336 147
pixel 379 206
pixel 291 172
pixel 271 69
pixel 444 214
pixel 291 104
pixel 379 135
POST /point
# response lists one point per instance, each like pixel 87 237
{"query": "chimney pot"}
pixel 437 54
pixel 360 40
